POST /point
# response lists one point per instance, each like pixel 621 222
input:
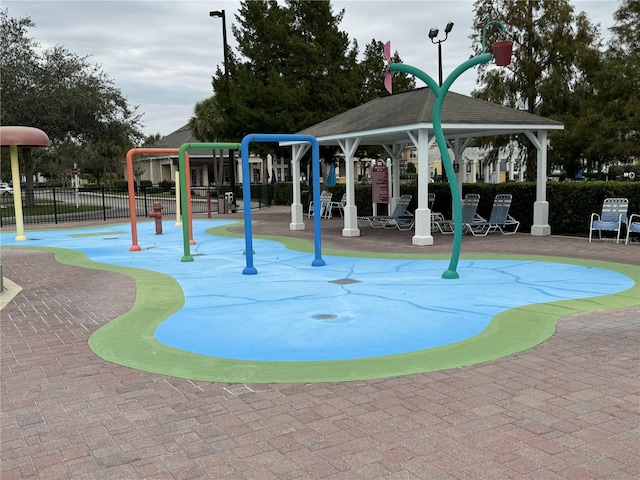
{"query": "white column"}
pixel 422 234
pixel 487 172
pixel 350 229
pixel 297 214
pixel 395 151
pixel 269 166
pixel 540 225
pixel 374 206
pixel 474 170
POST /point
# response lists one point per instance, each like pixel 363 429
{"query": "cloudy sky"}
pixel 162 54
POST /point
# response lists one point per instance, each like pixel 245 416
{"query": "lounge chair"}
pixel 469 215
pixel 337 206
pixel 633 226
pixel 611 219
pixel 399 218
pixel 325 200
pixel 435 216
pixel 499 219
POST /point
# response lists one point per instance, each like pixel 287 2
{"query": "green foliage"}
pixel 64 95
pixel 600 113
pixel 167 185
pixel 296 69
pixel 121 185
pixel 553 47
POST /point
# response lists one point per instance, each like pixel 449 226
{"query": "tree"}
pixel 299 69
pixel 63 94
pixel 622 73
pixel 550 42
pixel 295 68
pixel 602 125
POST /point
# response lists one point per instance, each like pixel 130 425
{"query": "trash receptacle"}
pixel 223 204
pixel 229 201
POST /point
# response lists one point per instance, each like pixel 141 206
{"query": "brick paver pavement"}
pixel 566 409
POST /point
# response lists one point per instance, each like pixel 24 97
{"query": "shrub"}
pixel 166 185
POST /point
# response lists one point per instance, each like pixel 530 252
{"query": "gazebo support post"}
pixel 540 227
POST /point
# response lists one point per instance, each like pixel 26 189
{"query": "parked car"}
pixel 5 189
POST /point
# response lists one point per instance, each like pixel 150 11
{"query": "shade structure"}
pixel 23 137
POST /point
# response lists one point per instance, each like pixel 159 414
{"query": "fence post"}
pixel 104 204
pixel 55 206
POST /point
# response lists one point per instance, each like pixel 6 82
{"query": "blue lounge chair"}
pixel 611 219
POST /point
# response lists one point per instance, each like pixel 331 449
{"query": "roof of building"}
pixel 386 119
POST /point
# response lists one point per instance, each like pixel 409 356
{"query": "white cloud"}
pixel 162 54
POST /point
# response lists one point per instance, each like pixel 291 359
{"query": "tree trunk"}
pixel 29 197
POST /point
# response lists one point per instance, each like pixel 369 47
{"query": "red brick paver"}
pixel 566 409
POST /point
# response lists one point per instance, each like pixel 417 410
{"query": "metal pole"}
pixel 225 45
pixel 440 62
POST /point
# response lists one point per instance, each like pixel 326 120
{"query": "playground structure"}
pixel 502 51
pixel 23 137
pixel 183 193
pixel 315 160
pixel 132 194
pixel 185 189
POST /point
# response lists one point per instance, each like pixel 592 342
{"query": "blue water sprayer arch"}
pixel 246 192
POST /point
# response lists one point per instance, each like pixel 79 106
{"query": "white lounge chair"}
pixel 325 200
pixel 399 218
pixel 469 215
pixel 611 219
pixel 337 206
pixel 499 219
pixel 633 226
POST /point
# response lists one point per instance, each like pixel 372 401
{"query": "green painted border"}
pixel 129 339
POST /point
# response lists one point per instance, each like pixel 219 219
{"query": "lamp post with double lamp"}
pixel 232 161
pixel 433 33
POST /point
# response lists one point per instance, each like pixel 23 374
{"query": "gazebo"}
pixel 399 120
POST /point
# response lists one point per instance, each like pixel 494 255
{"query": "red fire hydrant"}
pixel 157 214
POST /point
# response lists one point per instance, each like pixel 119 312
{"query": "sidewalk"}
pixel 566 409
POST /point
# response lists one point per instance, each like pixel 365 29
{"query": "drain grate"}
pixel 344 281
pixel 325 316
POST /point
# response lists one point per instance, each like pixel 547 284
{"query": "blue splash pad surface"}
pixel 351 308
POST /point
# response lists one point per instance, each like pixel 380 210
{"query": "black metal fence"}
pixel 59 205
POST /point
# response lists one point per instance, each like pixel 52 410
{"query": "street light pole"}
pixel 232 161
pixel 221 14
pixel 433 33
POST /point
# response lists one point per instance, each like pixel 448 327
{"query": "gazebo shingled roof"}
pixel 382 119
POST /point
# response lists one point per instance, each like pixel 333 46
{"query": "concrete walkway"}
pixel 566 409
